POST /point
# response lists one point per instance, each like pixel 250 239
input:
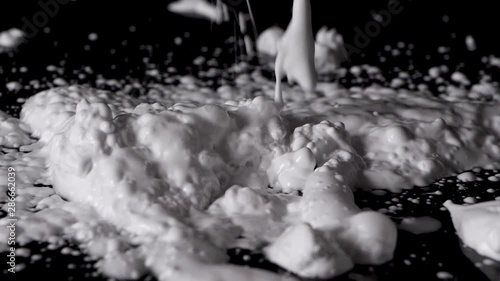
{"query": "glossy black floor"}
pixel 133 39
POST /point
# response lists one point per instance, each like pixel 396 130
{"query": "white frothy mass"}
pixel 478 226
pixel 144 183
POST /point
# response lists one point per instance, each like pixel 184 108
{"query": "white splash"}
pixel 295 57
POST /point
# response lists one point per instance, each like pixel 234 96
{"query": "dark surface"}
pixel 151 46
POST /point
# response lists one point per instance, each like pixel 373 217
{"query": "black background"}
pixel 63 39
pixel 420 22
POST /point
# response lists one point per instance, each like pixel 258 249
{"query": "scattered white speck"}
pixel 467 177
pixel 434 72
pixel 355 70
pixel 35 258
pixel 23 252
pixel 93 37
pixel 11 38
pixel 66 251
pixel 444 275
pixel 396 83
pixel 378 192
pixel 470 200
pixel 493 178
pixel 443 49
pixel 60 82
pixel 420 225
pixel 459 77
pixel 20 267
pixel 477 170
pixel 470 43
pixel 13 86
